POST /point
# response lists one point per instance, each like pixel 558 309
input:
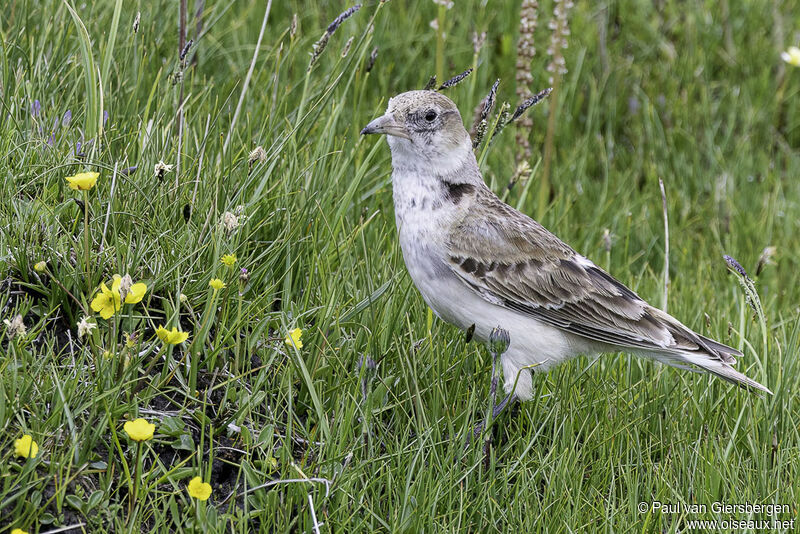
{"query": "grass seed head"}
pixel 431 83
pixel 455 80
pixel 532 101
pixel 346 48
pixel 488 102
pixel 372 57
pixel 766 258
pixel 343 16
pixel 478 40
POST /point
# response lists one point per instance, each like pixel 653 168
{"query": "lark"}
pixel 479 263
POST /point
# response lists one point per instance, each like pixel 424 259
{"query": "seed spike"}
pixel 431 83
pixel 455 80
pixel 319 46
pixel 186 49
pixel 372 57
pixel 488 102
pixel 532 101
pixel 502 121
pixel 346 14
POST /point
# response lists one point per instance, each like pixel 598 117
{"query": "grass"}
pixel 288 437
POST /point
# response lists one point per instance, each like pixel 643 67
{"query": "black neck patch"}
pixel 455 192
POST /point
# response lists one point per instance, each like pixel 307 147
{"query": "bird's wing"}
pixel 512 261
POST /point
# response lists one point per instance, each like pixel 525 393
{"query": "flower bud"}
pixel 499 340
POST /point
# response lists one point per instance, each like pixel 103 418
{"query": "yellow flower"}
pixel 18 531
pixel 171 337
pixel 293 338
pixel 216 283
pixel 139 429
pixel 40 266
pixel 83 181
pixel 198 489
pixel 26 447
pixel 107 302
pixel 228 259
pixel 136 293
pixel 792 56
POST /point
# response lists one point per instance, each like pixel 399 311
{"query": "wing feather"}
pixel 511 260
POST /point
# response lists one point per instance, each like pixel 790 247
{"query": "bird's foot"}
pixel 477 430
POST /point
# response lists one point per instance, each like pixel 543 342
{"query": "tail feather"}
pixel 722 370
pixel 700 352
pixel 728 354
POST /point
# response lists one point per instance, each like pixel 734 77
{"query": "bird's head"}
pixel 422 128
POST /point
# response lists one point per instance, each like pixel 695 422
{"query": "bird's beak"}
pixel 385 124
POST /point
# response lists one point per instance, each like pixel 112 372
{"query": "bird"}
pixel 479 263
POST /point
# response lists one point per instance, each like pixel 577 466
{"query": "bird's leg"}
pixel 496 411
pixel 510 398
pixel 499 341
pixel 492 397
pixel 493 387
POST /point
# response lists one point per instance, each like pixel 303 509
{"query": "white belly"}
pixel 534 346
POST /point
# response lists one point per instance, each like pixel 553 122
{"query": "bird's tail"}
pixel 697 352
pixel 719 368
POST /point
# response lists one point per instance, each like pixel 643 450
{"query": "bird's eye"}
pixel 430 116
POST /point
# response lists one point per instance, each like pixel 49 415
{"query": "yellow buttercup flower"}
pixel 792 56
pixel 107 302
pixel 293 338
pixel 18 531
pixel 83 181
pixel 139 429
pixel 26 447
pixel 171 337
pixel 228 259
pixel 136 293
pixel 216 283
pixel 198 489
pixel 40 266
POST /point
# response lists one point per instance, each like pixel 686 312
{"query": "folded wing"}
pixel 512 261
